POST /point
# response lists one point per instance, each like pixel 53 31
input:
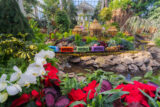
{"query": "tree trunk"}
pixel 102 4
pixel 20 3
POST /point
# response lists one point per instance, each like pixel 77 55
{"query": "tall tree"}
pixel 11 18
pixel 71 10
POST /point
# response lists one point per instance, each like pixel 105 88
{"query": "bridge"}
pixel 92 53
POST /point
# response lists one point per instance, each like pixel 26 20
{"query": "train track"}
pixel 92 53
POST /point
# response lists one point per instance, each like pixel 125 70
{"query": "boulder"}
pixel 127 60
pixel 139 61
pixel 86 58
pixel 75 60
pixel 143 68
pixel 120 68
pixel 133 68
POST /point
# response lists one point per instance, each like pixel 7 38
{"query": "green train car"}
pixel 82 48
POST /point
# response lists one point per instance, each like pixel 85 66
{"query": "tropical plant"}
pixel 62 21
pixel 50 7
pixel 105 14
pixel 12 47
pixel 39 38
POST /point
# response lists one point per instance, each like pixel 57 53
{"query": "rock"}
pixel 100 61
pixel 121 68
pixel 133 68
pixel 155 51
pixel 90 62
pixel 149 68
pixel 127 60
pixel 139 61
pixel 86 58
pixel 75 60
pixel 143 68
pixel 154 63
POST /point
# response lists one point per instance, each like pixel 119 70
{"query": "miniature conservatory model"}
pixel 85 12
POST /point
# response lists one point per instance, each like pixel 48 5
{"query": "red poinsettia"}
pixel 51 76
pixel 82 94
pixel 22 100
pixel 135 96
pixel 25 98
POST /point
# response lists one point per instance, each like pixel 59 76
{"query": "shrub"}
pixel 105 14
pixel 12 20
pixel 62 20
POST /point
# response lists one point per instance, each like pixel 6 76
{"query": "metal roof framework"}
pixel 91 2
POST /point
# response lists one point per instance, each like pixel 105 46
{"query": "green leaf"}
pixel 148 74
pixel 112 91
pixel 136 78
pixel 115 96
pixel 77 103
pixel 150 98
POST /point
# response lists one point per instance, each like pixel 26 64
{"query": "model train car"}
pixel 85 49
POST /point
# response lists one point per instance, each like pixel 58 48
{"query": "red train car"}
pixel 67 49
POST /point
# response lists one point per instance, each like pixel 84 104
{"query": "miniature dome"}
pixel 95 26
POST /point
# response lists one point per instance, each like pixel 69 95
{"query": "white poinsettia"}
pixel 15 76
pixel 3 97
pixel 35 70
pixel 26 80
pixel 45 54
pixel 3 82
pixel 13 89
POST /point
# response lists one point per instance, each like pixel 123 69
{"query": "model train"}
pixel 86 49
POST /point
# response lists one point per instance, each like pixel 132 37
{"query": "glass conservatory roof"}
pixel 91 2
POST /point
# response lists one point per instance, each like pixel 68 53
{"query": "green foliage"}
pixel 90 39
pixel 78 40
pixel 62 21
pixel 157 41
pixel 152 101
pixel 15 49
pixel 69 83
pixel 39 38
pixel 105 14
pixel 115 4
pixel 12 20
pixel 49 7
pixel 29 4
pixel 71 10
pixel 152 78
pixel 140 7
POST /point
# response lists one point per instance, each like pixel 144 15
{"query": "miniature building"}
pixel 77 30
pixel 95 28
pixel 112 31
